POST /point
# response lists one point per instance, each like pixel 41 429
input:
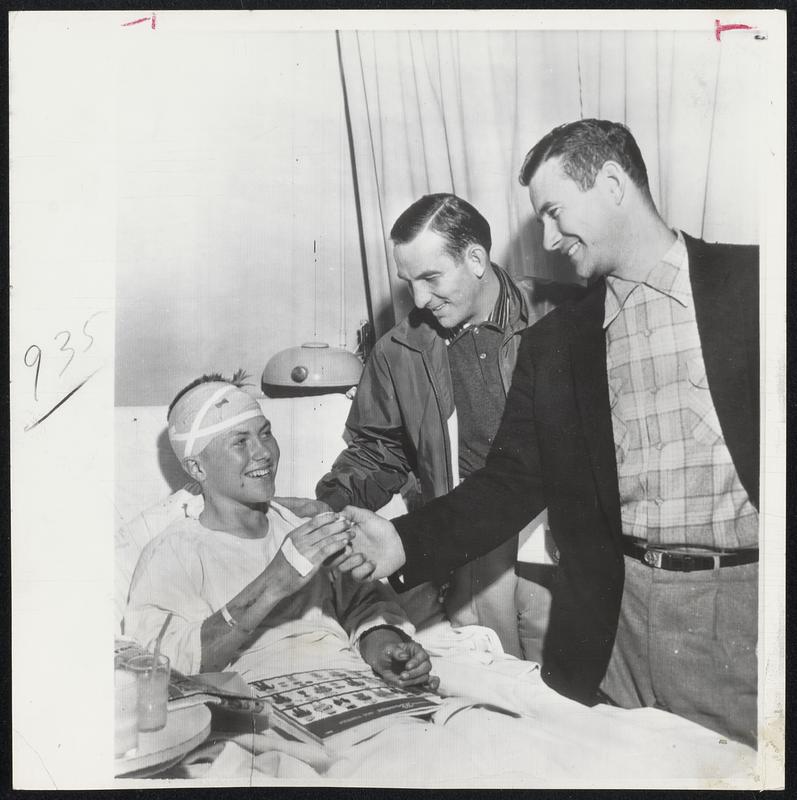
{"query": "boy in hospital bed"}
pixel 246 581
pixel 250 590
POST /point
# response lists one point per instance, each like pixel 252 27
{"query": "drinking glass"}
pixel 152 673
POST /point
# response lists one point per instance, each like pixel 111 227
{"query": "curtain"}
pixel 455 111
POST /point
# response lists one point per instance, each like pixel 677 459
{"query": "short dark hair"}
pixel 456 220
pixel 584 147
pixel 238 379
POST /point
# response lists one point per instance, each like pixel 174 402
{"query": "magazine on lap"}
pixel 339 707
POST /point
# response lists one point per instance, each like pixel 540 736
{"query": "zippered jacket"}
pixel 402 422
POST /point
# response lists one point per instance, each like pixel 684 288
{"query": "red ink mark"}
pixel 143 19
pixel 720 29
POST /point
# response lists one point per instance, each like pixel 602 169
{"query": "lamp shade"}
pixel 314 365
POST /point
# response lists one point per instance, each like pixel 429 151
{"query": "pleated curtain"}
pixel 456 111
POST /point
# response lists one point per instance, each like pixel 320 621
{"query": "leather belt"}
pixel 659 558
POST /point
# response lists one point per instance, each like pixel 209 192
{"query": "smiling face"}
pixel 581 225
pixel 451 288
pixel 241 463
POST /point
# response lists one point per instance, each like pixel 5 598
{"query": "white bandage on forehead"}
pixel 204 412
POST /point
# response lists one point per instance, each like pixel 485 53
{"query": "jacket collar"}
pixel 730 352
pixel 515 314
pixel 706 274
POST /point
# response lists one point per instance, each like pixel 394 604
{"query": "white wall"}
pixel 232 163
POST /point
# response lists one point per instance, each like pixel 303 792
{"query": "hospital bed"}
pixel 512 730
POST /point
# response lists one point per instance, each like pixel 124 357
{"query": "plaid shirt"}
pixel 678 484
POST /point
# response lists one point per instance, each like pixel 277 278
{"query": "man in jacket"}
pixel 633 416
pixel 431 398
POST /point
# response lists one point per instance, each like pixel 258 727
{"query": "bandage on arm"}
pixel 302 565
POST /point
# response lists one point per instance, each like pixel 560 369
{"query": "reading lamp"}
pixel 313 365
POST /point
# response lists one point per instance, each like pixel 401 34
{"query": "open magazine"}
pixel 338 707
pixel 218 688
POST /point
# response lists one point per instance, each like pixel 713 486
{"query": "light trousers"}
pixel 686 642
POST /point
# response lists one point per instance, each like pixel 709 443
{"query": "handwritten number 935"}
pixel 33 355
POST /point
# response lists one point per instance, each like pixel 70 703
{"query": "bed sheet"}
pixel 500 726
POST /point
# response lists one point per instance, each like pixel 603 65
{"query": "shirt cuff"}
pixel 405 637
pixel 387 619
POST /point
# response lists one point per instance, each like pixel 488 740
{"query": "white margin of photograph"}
pixel 63 253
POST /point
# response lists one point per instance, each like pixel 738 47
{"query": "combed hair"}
pixel 238 379
pixel 453 218
pixel 584 147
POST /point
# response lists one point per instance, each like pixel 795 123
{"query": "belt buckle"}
pixel 653 558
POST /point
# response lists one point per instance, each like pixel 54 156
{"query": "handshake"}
pixel 374 550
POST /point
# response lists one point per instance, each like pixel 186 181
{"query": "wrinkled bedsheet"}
pixel 499 726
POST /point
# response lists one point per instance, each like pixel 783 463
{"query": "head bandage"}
pixel 206 411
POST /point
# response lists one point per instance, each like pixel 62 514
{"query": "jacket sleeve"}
pixel 375 465
pixel 488 507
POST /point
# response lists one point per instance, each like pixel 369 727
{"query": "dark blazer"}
pixel 555 448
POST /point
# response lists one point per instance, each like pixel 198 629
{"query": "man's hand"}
pixel 376 547
pixel 396 661
pixel 303 506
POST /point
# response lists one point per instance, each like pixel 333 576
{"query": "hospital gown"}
pixel 192 572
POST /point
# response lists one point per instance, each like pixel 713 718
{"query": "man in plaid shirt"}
pixel 633 416
pixel 687 632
